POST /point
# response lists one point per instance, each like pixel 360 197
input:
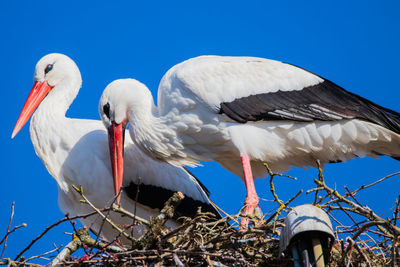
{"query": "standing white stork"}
pixel 244 111
pixel 75 152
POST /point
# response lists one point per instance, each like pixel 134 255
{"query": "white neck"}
pixel 51 137
pixel 157 135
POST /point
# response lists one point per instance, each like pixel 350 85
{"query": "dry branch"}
pixel 363 237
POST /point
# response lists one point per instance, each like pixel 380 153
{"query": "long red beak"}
pixel 38 92
pixel 116 138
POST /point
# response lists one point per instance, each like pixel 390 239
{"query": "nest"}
pixel 206 241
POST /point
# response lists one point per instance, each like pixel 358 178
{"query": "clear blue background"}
pixel 353 43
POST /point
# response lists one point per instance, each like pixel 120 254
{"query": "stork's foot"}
pixel 251 212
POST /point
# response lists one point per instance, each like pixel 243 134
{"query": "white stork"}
pixel 75 152
pixel 244 111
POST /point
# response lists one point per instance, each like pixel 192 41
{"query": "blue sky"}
pixel 353 43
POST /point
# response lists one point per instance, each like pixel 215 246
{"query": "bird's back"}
pixel 275 112
pixel 215 79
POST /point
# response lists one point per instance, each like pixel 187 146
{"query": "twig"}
pixel 179 229
pixel 123 211
pixel 276 213
pixel 357 209
pixel 12 231
pixel 156 224
pixel 8 230
pixel 349 249
pixel 48 228
pixel 364 227
pixel 396 239
pixel 72 246
pixel 221 210
pixel 39 256
pixel 352 195
pixel 321 178
pixel 113 225
pixel 10 262
pixel 102 223
pixel 362 254
pixel 376 182
pixel 282 205
pixel 81 238
pixel 177 261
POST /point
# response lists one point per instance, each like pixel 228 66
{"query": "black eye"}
pixel 106 110
pixel 48 68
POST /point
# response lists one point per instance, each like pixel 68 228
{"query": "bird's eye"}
pixel 106 110
pixel 48 68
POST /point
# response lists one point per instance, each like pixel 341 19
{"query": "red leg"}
pixel 251 202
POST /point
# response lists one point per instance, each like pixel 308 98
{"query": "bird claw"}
pixel 258 216
pixel 254 215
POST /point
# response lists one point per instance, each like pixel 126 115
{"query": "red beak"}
pixel 38 92
pixel 116 138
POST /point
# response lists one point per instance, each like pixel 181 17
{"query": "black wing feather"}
pixel 324 101
pixel 155 197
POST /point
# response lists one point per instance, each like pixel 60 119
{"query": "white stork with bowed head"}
pixel 244 111
pixel 75 152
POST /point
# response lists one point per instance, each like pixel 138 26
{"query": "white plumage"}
pixel 242 108
pixel 75 152
pixel 215 79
